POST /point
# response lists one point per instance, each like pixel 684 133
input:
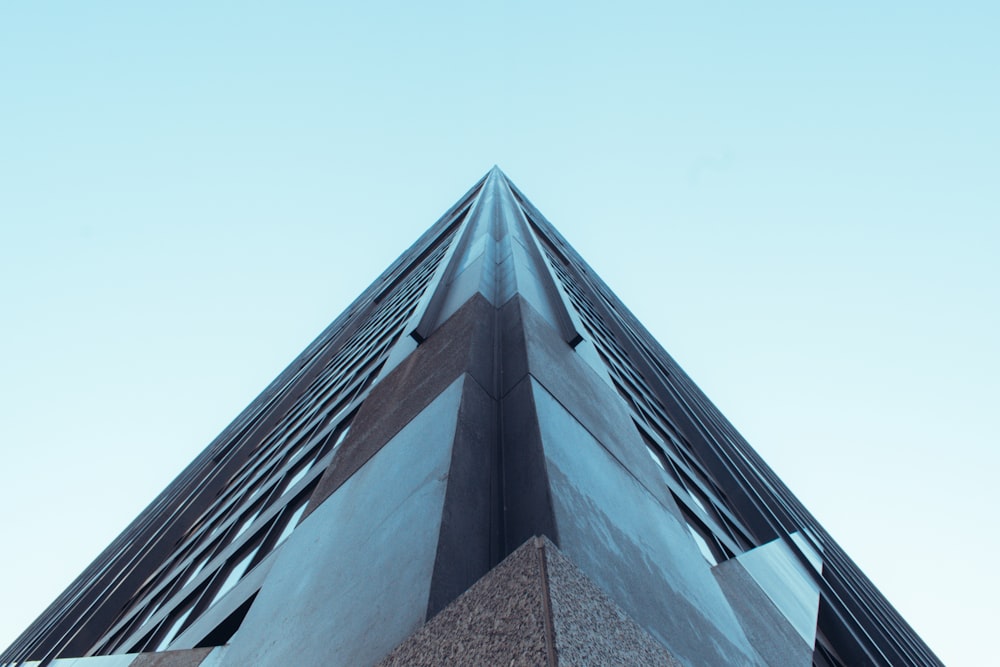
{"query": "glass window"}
pixel 703 546
pixel 341 436
pixel 246 524
pixel 290 526
pixel 235 574
pixel 196 571
pixel 710 547
pixel 296 478
pixel 698 499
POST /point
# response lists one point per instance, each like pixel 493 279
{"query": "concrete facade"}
pixel 485 460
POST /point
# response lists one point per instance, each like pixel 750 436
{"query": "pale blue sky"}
pixel 799 201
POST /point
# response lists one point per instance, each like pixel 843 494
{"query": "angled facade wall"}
pixel 485 455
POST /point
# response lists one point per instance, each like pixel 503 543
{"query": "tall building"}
pixel 485 460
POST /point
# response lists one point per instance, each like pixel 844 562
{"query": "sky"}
pixel 799 200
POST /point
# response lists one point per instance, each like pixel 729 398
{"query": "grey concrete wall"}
pixel 634 548
pixel 353 579
pixel 534 608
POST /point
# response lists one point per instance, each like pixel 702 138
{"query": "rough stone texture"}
pixel 590 629
pixel 765 626
pixel 191 657
pixel 535 608
pixel 213 659
pixel 501 620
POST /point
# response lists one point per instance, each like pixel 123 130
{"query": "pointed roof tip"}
pixel 496 174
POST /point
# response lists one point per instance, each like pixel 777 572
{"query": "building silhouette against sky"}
pixel 485 459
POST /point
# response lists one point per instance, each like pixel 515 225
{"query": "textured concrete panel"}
pixel 588 353
pixel 214 658
pixel 530 287
pixel 455 347
pixel 606 518
pixel 535 608
pixel 568 377
pixel 513 346
pixel 476 248
pixel 788 584
pixel 463 285
pixel 501 620
pixel 468 544
pixel 192 657
pixel 589 628
pixel 765 626
pixel 506 283
pixel 526 495
pixel 353 580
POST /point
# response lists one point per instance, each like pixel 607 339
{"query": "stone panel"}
pixel 526 496
pixel 455 347
pixel 787 583
pixel 214 658
pixel 468 545
pixel 353 580
pixel 461 288
pixel 501 620
pixel 606 518
pixel 595 404
pixel 765 626
pixel 589 628
pixel 535 608
pixel 185 658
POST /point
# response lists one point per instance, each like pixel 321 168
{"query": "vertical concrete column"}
pixel 526 489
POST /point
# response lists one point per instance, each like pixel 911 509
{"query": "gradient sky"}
pixel 799 201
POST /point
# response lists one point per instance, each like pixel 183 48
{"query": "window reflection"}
pixel 296 478
pixel 290 526
pixel 235 574
pixel 702 543
pixel 196 571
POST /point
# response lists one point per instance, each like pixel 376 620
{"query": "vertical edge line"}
pixel 498 513
pixel 550 633
pixel 567 327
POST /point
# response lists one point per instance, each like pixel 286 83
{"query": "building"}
pixel 485 459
